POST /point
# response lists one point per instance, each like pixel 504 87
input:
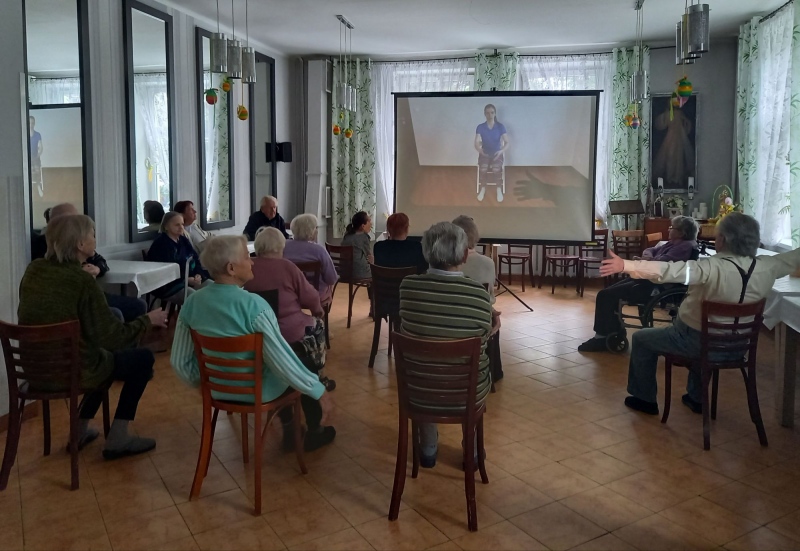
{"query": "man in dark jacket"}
pixel 267 216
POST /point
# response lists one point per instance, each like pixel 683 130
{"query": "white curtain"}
pixel 44 91
pixel 217 186
pixel 454 75
pixel 584 72
pixel 152 110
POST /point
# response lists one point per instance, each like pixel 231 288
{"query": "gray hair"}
pixel 61 209
pixel 64 234
pixel 267 199
pixel 741 234
pixel 269 241
pixel 167 219
pixel 303 227
pixel 469 226
pixel 444 245
pixel 221 251
pixel 687 226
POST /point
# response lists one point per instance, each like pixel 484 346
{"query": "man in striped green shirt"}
pixel 444 304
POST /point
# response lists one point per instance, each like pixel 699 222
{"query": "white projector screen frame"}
pixel 422 156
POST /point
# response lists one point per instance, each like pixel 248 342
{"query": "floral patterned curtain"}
pixel 794 138
pixel 630 153
pixel 215 119
pixel 496 71
pixel 352 158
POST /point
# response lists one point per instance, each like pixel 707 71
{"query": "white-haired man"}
pixel 267 215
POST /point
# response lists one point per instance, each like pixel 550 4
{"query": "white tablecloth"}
pixel 144 276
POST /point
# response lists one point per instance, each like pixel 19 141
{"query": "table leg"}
pixel 785 371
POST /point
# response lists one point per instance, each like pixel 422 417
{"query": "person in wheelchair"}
pixel 681 246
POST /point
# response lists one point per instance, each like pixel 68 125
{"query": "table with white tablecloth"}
pixel 145 277
pixel 782 312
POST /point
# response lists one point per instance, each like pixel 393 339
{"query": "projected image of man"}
pixel 491 141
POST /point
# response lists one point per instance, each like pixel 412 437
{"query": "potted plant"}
pixel 675 205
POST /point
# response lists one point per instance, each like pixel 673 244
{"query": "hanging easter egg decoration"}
pixel 348 133
pixel 337 129
pixel 226 85
pixel 684 88
pixel 628 119
pixel 635 122
pixel 211 96
pixel 242 113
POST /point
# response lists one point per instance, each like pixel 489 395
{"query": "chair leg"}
pixel 530 269
pixel 106 414
pixel 46 425
pixel 400 467
pixel 469 476
pixel 350 297
pixel 213 432
pixel 543 273
pixel 73 440
pixel 12 441
pixel 755 410
pixel 481 453
pixel 376 337
pixel 706 378
pixel 258 444
pixel 414 449
pixel 667 388
pixel 390 324
pixel 553 269
pixel 245 446
pixel 298 435
pixel 714 392
pixel 204 457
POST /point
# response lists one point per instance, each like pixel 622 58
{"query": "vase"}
pixel 674 211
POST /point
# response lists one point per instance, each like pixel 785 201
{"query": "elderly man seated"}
pixel 266 216
pixel 681 244
pixel 224 309
pixel 733 275
pixel 444 304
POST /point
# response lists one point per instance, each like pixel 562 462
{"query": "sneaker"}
pixel 427 461
pixel 593 345
pixel 321 437
pixel 499 194
pixel 650 408
pixel 695 406
pixel 481 194
pixel 134 446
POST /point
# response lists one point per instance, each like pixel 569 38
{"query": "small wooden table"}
pixel 143 276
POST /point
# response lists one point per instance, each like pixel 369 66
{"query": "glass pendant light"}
pixel 234 51
pixel 218 49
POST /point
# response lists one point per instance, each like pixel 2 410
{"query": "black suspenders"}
pixel 745 276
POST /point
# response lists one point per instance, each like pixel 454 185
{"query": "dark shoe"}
pixel 650 408
pixel 321 437
pixel 133 446
pixel 427 461
pixel 693 405
pixel 593 345
pixel 87 438
pixel 330 384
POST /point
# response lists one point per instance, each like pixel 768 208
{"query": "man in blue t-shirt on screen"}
pixel 491 140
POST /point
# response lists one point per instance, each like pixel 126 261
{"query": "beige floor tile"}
pixel 217 481
pixel 688 476
pixel 184 544
pixel 763 539
pixel 510 496
pixel 776 482
pixel 39 532
pixel 253 533
pixel 446 546
pixel 142 531
pixel 214 511
pixel 450 516
pixel 607 509
pixel 363 503
pixel 557 527
pixel 599 467
pixel 608 542
pixel 340 476
pixel 346 540
pixel 650 490
pixel 789 525
pixel 516 458
pixel 708 519
pixel 308 521
pixel 749 502
pixel 129 499
pixel 555 446
pixel 409 531
pixel 503 536
pixel 557 481
pixel 657 532
pixel 726 463
pixel 593 435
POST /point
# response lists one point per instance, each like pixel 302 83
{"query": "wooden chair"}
pixel 448 378
pixel 652 239
pixel 313 273
pixel 587 260
pixel 342 257
pixel 556 256
pixel 627 243
pixel 733 338
pixel 44 356
pixel 386 302
pixel 519 259
pixel 241 377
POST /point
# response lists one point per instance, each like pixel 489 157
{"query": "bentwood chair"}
pixel 313 272
pixel 652 239
pixel 628 243
pixel 221 373
pixel 522 258
pixel 729 341
pixel 342 257
pixel 437 383
pixel 557 256
pixel 386 302
pixel 591 255
pixel 44 363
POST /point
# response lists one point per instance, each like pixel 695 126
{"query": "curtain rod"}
pixel 774 13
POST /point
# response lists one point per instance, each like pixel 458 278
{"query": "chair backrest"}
pixel 436 378
pixel 271 296
pixel 553 250
pixel 386 288
pixel 222 373
pixel 312 270
pixel 652 239
pixel 342 256
pixel 523 249
pixel 730 331
pixel 46 356
pixel 627 243
pixel 598 244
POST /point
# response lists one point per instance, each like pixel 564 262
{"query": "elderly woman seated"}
pixel 397 251
pixel 304 333
pixel 56 289
pixel 304 248
pixel 444 304
pixel 681 244
pixel 224 309
pixel 171 245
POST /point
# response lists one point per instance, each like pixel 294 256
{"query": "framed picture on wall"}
pixel 673 143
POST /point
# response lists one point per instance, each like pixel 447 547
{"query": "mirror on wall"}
pixel 58 107
pixel 216 136
pixel 263 164
pixel 150 100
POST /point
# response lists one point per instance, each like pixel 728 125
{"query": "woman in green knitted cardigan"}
pixel 56 289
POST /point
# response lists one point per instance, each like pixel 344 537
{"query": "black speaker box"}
pixel 284 152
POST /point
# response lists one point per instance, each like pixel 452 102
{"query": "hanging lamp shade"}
pixel 234 59
pixel 696 29
pixel 685 53
pixel 638 86
pixel 219 53
pixel 679 58
pixel 353 99
pixel 248 65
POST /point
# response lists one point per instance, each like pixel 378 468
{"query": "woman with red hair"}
pixel 397 251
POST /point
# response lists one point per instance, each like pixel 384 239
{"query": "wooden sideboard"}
pixel 657 225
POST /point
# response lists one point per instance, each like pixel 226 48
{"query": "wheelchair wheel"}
pixel 661 310
pixel 617 342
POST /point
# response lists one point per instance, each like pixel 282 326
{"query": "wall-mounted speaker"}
pixel 284 152
pixel 268 156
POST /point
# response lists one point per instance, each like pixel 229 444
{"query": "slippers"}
pixel 88 437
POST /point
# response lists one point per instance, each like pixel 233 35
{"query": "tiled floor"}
pixel 569 465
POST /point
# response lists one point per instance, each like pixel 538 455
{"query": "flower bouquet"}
pixel 675 205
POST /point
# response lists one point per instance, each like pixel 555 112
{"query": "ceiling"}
pixel 441 28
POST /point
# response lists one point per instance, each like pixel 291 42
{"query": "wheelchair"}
pixel 658 311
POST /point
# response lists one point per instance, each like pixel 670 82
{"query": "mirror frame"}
pixel 199 34
pixel 127 31
pixel 254 200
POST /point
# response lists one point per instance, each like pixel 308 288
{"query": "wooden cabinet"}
pixel 660 225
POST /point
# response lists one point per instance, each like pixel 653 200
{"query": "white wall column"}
pixel 317 143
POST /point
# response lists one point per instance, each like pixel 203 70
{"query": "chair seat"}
pixel 27 393
pixel 285 399
pixel 514 255
pixel 563 257
pixel 590 259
